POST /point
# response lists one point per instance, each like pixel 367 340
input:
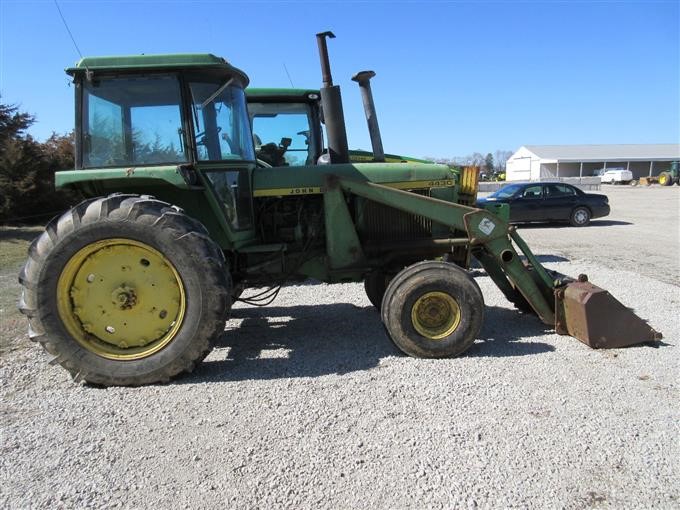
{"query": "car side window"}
pixel 566 190
pixel 532 192
pixel 558 190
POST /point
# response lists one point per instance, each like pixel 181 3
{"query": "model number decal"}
pixel 440 184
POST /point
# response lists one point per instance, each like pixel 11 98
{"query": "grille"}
pixel 381 223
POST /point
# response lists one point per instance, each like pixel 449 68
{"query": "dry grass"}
pixel 14 242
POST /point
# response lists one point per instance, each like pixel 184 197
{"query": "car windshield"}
pixel 507 191
pixel 222 131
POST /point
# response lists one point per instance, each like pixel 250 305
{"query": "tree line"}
pixel 27 167
pixel 490 165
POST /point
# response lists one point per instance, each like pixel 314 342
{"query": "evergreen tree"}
pixel 488 163
pixel 27 169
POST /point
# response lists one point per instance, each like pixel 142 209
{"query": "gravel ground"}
pixel 306 404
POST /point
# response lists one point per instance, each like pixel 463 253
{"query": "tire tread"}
pixel 138 209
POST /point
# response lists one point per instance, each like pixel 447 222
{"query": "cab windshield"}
pixel 221 127
pixel 283 133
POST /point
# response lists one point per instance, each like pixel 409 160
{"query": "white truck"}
pixel 616 176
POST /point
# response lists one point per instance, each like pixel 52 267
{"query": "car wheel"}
pixel 580 217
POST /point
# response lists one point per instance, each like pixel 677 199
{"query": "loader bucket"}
pixel 598 319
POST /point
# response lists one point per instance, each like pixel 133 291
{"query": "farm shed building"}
pixel 536 162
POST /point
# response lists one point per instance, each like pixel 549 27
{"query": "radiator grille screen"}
pixel 382 223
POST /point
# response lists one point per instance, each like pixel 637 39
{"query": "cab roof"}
pixel 282 94
pixel 168 62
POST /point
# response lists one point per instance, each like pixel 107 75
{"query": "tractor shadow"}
pixel 317 340
pixel 297 341
pixel 505 332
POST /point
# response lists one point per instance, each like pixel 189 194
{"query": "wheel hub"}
pixel 435 315
pixel 124 297
pixel 121 299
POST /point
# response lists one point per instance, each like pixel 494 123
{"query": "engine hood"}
pixel 307 180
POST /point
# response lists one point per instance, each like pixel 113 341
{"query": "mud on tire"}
pixel 190 271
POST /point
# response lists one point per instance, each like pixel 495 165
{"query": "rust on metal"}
pixel 598 319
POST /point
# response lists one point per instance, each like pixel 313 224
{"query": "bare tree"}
pixel 501 157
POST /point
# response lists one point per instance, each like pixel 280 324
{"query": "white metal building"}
pixel 536 162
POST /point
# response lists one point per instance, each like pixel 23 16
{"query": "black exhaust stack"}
pixel 331 102
pixel 363 78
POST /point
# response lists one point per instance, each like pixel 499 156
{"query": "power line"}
pixel 68 29
pixel 284 66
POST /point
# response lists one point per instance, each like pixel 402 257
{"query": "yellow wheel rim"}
pixel 121 299
pixel 435 315
pixel 662 180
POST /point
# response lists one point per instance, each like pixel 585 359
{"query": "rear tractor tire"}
pixel 580 217
pixel 125 290
pixel 375 285
pixel 433 309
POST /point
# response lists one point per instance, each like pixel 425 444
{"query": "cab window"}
pixel 282 133
pixel 220 121
pixel 132 121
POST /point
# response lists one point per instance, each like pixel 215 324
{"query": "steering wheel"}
pixel 201 135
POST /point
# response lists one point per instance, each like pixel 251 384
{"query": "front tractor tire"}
pixel 433 309
pixel 125 290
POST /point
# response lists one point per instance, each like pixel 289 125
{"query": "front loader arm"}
pixel 485 230
pixel 577 308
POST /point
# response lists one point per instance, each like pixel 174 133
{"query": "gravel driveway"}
pixel 306 404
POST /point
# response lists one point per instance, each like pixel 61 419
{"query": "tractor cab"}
pixel 187 111
pixel 286 126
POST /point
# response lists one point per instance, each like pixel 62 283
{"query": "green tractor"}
pixel 670 176
pixel 133 285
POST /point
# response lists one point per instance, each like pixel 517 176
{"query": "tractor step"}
pixel 598 319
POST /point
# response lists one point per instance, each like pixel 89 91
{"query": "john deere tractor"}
pixel 670 176
pixel 133 285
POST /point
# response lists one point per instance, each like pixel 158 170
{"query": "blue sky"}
pixel 452 77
